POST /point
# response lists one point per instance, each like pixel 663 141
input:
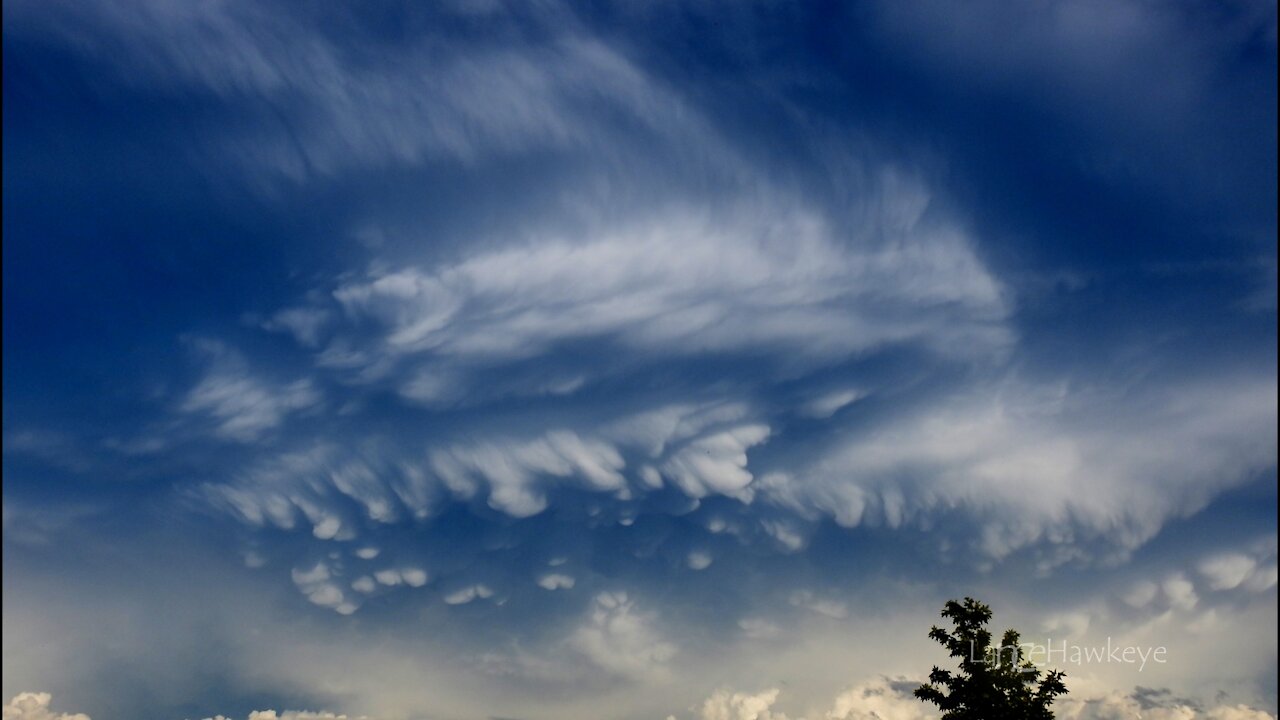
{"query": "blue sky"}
pixel 633 360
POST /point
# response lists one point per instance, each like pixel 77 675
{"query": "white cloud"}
pixel 414 577
pixel 1150 706
pixel 1263 579
pixel 512 471
pixel 621 640
pixel 1180 592
pixel 244 407
pixel 319 585
pixel 716 464
pixel 655 430
pixel 388 576
pixel 827 607
pixel 883 699
pixel 1141 593
pixel 776 278
pixel 1227 572
pixel 556 581
pixel 35 706
pixel 1036 466
pixel 303 323
pixel 1237 712
pixel 878 700
pixel 725 705
pixel 698 448
pixel 317 486
pixel 433 99
pixel 694 449
pixel 464 595
pixel 699 560
pixel 824 406
pixel 318 573
pixel 290 715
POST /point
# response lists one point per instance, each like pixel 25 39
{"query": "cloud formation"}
pixel 563 356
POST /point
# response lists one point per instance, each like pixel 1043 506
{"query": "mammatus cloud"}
pixel 1236 573
pixel 971 457
pixel 774 280
pixel 1251 569
pixel 622 640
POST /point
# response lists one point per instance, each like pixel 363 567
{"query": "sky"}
pixel 487 360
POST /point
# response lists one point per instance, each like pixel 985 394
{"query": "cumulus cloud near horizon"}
pixel 35 706
pixel 888 699
pixel 38 706
pixel 878 699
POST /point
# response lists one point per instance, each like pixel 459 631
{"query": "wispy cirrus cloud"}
pixel 242 406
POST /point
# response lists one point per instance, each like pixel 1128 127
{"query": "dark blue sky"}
pixel 486 359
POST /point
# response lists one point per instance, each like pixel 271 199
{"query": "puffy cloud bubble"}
pixel 414 577
pixel 464 595
pixel 1252 569
pixel 321 587
pixel 1227 572
pixel 556 581
pixel 1180 592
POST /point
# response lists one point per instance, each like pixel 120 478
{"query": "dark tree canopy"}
pixel 992 683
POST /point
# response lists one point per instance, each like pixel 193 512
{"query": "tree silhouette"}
pixel 992 683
